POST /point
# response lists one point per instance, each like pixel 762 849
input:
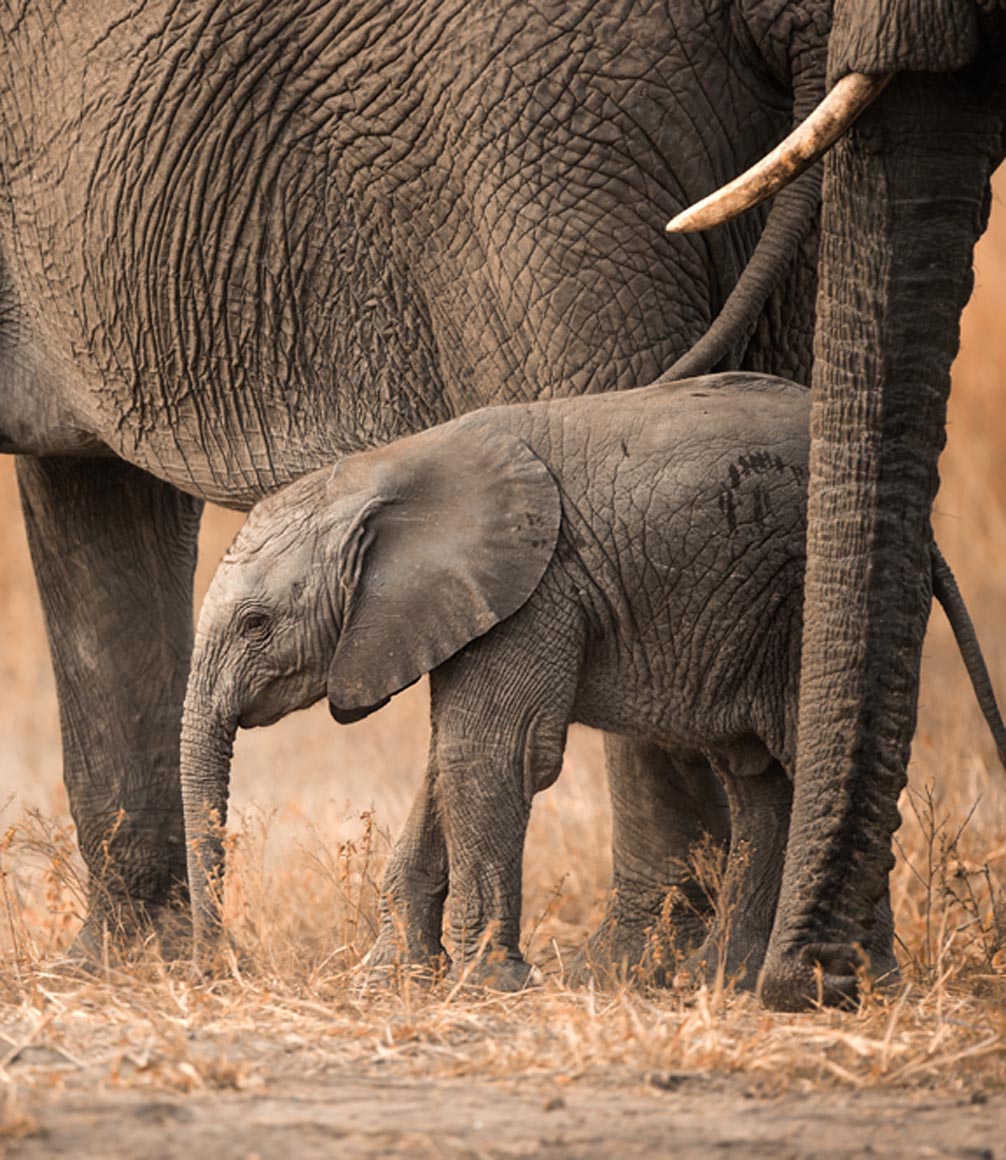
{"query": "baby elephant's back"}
pixel 729 458
pixel 730 486
pixel 716 462
pixel 686 505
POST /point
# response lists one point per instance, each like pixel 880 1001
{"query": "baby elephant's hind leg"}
pixel 760 804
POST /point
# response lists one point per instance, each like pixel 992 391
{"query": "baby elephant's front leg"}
pixel 414 887
pixel 486 811
pixel 498 741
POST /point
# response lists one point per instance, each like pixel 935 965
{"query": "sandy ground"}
pixel 670 1115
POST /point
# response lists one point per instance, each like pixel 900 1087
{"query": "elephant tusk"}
pixel 811 139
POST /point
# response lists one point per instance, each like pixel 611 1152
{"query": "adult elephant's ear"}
pixel 457 526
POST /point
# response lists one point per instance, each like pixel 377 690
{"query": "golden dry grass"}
pixel 315 806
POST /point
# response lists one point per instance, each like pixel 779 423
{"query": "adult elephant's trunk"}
pixel 905 199
pixel 207 747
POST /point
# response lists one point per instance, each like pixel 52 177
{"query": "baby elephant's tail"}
pixel 949 595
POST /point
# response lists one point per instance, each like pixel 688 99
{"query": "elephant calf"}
pixel 630 561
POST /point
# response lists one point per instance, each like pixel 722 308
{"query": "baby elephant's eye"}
pixel 254 624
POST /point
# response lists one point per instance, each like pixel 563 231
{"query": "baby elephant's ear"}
pixel 458 526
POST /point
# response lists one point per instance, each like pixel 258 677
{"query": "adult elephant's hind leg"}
pixel 663 809
pixel 114 552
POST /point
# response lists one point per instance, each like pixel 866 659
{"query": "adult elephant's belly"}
pixel 230 326
pixel 272 266
pixel 234 401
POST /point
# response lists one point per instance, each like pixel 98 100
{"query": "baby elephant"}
pixel 630 561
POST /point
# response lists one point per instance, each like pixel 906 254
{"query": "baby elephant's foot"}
pixel 740 965
pixel 639 952
pixel 391 961
pixel 497 972
pixel 369 979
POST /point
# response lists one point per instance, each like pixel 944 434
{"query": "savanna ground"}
pixel 288 1057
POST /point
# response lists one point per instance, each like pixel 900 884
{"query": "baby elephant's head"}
pixel 271 618
pixel 354 581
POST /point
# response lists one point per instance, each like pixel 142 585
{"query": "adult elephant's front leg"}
pixel 114 552
pixel 662 808
pixel 760 803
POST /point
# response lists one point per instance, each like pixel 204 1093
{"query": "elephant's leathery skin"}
pixel 906 196
pixel 239 239
pixel 546 563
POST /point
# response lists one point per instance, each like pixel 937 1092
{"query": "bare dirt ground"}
pixel 345 1115
pixel 286 1057
pixel 555 1074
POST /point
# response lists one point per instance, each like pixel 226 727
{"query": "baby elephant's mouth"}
pixel 257 718
pixel 280 697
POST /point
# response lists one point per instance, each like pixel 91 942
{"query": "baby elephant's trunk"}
pixel 207 747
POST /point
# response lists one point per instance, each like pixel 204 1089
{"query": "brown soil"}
pixel 298 1108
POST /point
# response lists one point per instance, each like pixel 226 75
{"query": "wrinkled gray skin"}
pixel 906 196
pixel 547 563
pixel 241 239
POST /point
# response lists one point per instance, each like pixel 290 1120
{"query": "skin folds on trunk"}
pixel 905 199
pixel 206 750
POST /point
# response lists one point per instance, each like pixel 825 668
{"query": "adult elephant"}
pixel 241 238
pixel 906 196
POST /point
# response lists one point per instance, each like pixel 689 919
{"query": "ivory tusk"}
pixel 811 139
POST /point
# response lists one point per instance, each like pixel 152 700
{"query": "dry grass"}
pixel 302 918
pixel 315 807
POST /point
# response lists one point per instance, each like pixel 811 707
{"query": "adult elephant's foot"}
pixel 114 935
pixel 665 807
pixel 496 971
pixel 812 975
pixel 91 951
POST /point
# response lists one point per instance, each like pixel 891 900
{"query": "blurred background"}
pixel 303 784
